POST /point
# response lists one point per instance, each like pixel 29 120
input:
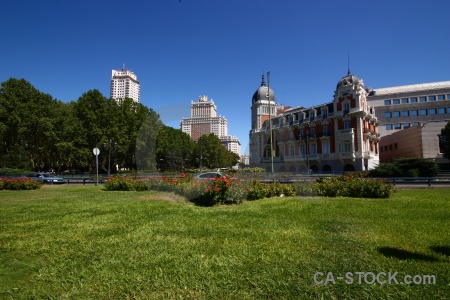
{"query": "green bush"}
pixel 125 183
pixel 305 188
pixel 14 172
pixel 19 184
pixel 346 186
pixel 406 167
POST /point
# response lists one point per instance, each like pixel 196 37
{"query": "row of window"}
pixel 417 112
pixel 401 125
pixel 389 148
pixel 417 99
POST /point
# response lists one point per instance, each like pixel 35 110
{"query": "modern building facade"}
pixel 204 120
pixel 337 136
pixel 412 117
pixel 124 84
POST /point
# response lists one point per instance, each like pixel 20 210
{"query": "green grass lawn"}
pixel 81 242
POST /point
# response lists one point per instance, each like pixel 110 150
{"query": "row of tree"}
pixel 41 133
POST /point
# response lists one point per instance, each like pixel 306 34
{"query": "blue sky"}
pixel 181 49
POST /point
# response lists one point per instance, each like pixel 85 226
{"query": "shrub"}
pixel 305 188
pixel 125 183
pixel 347 186
pixel 406 167
pixel 19 184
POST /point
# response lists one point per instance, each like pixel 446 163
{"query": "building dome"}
pixel 261 93
pixel 350 79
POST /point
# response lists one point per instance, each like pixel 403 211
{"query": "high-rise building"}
pixel 124 84
pixel 204 120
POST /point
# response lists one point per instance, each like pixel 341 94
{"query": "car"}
pixel 209 176
pixel 46 178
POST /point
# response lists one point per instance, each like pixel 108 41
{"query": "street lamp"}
pixel 307 151
pixel 110 142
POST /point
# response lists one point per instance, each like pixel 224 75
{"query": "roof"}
pixel 412 88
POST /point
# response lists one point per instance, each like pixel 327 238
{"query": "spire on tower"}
pixel 262 81
pixel 348 63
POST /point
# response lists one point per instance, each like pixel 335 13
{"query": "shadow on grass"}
pixel 444 250
pixel 404 255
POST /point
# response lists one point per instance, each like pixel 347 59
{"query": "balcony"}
pixel 346 131
pixel 369 154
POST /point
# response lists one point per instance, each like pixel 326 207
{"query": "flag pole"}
pixel 270 121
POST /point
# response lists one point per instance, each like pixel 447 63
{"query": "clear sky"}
pixel 181 49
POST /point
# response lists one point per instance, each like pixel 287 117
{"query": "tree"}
pixel 174 149
pixel 146 142
pixel 213 153
pixel 26 125
pixel 444 141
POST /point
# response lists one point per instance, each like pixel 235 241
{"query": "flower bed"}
pixel 228 191
pixel 19 184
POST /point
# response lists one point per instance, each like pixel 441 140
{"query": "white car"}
pixel 209 176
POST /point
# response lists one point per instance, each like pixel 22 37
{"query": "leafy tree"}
pixel 26 125
pixel 90 109
pixel 174 149
pixel 213 153
pixel 146 142
pixel 444 140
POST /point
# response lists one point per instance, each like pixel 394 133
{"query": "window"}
pixel 345 146
pixel 347 125
pixel 448 96
pixel 302 149
pixel 406 125
pixel 413 100
pixel 313 131
pixel 441 97
pixel 325 148
pixel 313 148
pixel 432 111
pixel 395 146
pixel 292 151
pixel 423 99
pixel 324 113
pixel 431 98
pixel 441 110
pixel 405 101
pixel 423 112
pixel 325 130
pixel 414 113
pixel 397 126
pixel 396 114
pixel 346 108
pixel 387 114
pixel 385 148
pixel 388 126
pixel 414 124
pixel 387 102
pixel 396 101
pixel 405 113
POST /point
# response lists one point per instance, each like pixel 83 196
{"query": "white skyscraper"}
pixel 124 84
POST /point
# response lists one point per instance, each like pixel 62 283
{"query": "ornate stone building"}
pixel 333 137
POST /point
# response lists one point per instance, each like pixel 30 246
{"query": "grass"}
pixel 81 242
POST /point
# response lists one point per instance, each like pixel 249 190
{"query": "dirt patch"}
pixel 171 197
